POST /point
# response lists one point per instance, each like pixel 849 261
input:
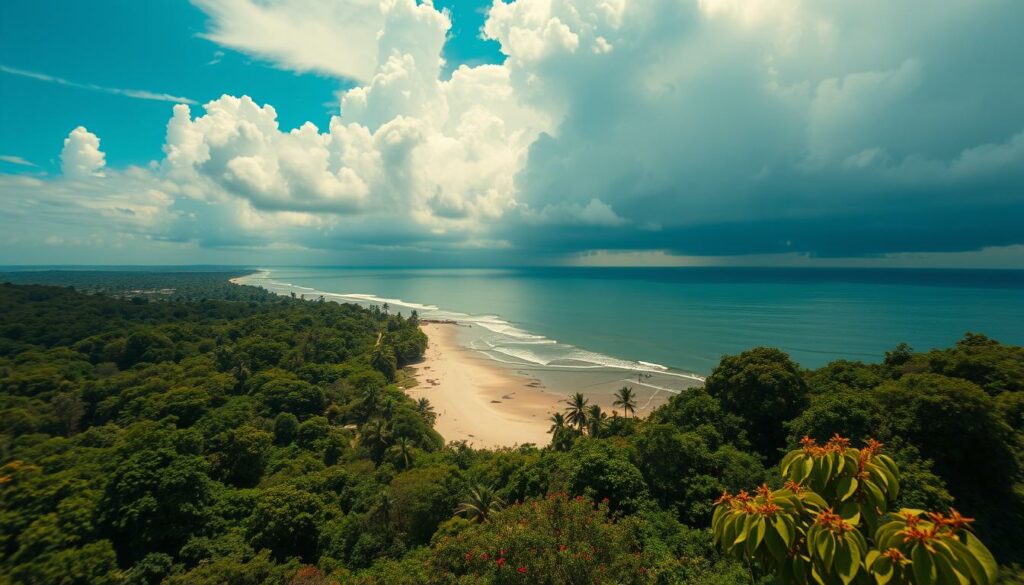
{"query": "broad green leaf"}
pixel 984 557
pixel 945 572
pixel 883 570
pixel 847 563
pixel 784 530
pixel 846 487
pixel 922 564
pixel 776 547
pixel 966 557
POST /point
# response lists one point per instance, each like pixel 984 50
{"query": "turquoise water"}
pixel 683 319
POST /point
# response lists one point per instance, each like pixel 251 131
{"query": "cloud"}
pixel 331 38
pixel 131 93
pixel 81 156
pixel 16 160
pixel 695 128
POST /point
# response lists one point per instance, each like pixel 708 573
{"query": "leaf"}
pixel 847 487
pixel 776 546
pixel 847 564
pixel 922 564
pixel 825 545
pixel 882 569
pixel 984 557
pixel 946 573
pixel 748 522
pixel 784 530
pixel 850 511
pixel 788 460
pixel 814 500
pixel 757 530
pixel 877 498
pixel 969 561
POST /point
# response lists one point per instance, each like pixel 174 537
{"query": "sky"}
pixel 586 132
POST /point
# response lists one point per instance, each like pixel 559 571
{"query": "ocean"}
pixel 663 329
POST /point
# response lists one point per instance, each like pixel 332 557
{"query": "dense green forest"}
pixel 241 437
pixel 186 285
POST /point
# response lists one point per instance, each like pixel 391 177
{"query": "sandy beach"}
pixel 478 401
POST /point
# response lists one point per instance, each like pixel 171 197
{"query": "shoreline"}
pixel 477 400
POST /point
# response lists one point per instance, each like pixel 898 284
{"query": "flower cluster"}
pixel 937 526
pixel 836 444
pixel 833 522
pixel 760 504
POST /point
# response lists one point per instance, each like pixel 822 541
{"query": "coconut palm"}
pixel 371 399
pixel 376 435
pixel 402 451
pixel 576 412
pixel 557 422
pixel 426 410
pixel 481 503
pixel 626 399
pixel 596 421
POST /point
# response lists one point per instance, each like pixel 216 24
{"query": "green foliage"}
pixel 556 539
pixel 242 437
pixel 829 524
pixel 763 387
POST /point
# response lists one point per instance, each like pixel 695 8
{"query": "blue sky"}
pixel 157 47
pixel 574 132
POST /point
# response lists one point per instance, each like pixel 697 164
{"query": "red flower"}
pixel 469 556
pixel 501 562
pixel 485 556
pixel 521 570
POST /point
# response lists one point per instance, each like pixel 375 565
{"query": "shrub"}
pixel 828 524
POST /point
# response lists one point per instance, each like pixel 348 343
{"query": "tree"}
pixel 384 361
pixel 557 422
pixel 155 500
pixel 480 503
pixel 576 412
pixel 626 400
pixel 69 409
pixel 829 524
pixel 289 395
pixel 601 474
pixel 556 539
pixel 422 498
pixel 596 420
pixel 402 451
pixel 286 428
pixel 765 388
pixel 376 436
pixel 287 521
pixel 426 410
pixel 238 456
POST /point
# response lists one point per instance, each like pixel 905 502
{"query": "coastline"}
pixel 477 400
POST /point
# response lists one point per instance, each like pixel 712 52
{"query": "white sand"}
pixel 477 400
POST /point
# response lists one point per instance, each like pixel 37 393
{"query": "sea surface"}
pixel 665 328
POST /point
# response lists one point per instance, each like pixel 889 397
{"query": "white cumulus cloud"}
pixel 81 156
pixel 695 126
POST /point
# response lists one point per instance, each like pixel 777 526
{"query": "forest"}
pixel 228 435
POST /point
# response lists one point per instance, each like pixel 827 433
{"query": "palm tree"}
pixel 402 451
pixel 576 412
pixel 596 421
pixel 426 410
pixel 371 399
pixel 481 503
pixel 557 422
pixel 626 399
pixel 376 435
